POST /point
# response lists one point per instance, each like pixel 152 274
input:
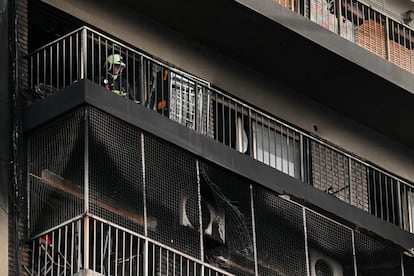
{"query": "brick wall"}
pixel 359 186
pixel 331 174
pixel 371 36
pixel 401 56
pixel 330 171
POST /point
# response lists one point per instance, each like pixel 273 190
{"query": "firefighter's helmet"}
pixel 114 59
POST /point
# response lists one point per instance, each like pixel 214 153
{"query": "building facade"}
pixel 240 138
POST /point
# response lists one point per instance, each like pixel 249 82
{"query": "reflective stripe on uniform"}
pixel 120 93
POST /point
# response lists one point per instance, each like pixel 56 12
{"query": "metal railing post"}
pixel 305 233
pixel 200 217
pixel 399 205
pixel 256 269
pixel 196 107
pixel 250 124
pixel 142 81
pixel 338 14
pixel 302 163
pixel 354 253
pixel 86 190
pixel 146 258
pixel 387 38
pixel 83 56
pixel 350 180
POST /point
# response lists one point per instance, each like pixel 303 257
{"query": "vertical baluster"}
pixel 50 65
pixel 350 180
pixel 57 66
pixel 230 126
pixel 103 244
pixel 302 161
pixel 65 250
pixel 44 66
pixel 400 206
pixel 64 73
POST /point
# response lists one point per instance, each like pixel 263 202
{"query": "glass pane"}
pixel 278 150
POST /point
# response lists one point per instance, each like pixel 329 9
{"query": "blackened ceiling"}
pixel 302 55
pixel 48 24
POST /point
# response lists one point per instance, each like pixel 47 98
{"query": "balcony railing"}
pixel 363 25
pixel 114 199
pixel 192 102
pixel 92 244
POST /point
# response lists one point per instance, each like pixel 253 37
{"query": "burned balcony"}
pixel 112 184
pixel 108 196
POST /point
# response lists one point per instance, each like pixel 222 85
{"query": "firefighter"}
pixel 114 80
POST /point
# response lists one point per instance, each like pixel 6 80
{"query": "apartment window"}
pixel 278 148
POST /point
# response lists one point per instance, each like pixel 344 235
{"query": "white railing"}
pixel 107 249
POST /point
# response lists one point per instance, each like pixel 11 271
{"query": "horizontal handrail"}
pixel 61 249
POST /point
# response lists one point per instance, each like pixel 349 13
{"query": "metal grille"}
pixel 55 172
pixel 279 234
pixel 172 196
pixel 183 100
pixel 376 258
pixel 330 242
pixel 199 216
pixel 408 264
pixel 115 171
pixel 190 102
pixel 227 220
pixel 323 268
